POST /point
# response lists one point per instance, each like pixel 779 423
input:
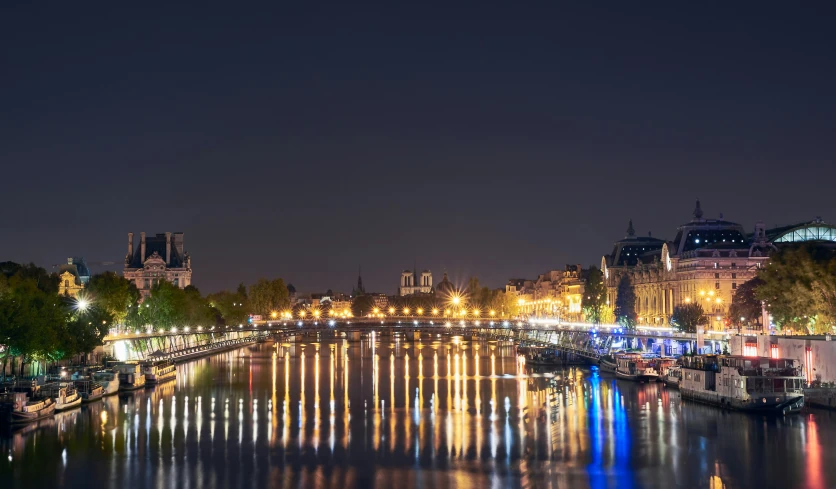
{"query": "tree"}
pixel 166 306
pixel 362 305
pixel 594 295
pixel 266 296
pixel 231 306
pixel 625 303
pixel 85 330
pixel 607 315
pixel 745 307
pixel 686 317
pixel 198 310
pixel 114 294
pixel 799 287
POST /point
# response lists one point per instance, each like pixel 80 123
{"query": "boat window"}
pixel 778 385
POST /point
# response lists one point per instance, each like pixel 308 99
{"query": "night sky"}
pixel 303 140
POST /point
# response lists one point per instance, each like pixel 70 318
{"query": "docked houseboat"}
pixel 673 376
pixel 632 366
pixel 25 406
pixel 64 394
pixel 130 376
pixel 157 371
pixel 607 364
pixel 761 384
pixel 109 380
pixel 89 390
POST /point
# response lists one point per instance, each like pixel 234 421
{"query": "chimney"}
pixel 168 249
pixel 178 244
pixel 142 247
pixel 130 244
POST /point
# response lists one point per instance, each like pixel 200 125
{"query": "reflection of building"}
pixel 411 283
pixel 73 277
pixel 156 259
pixel 704 263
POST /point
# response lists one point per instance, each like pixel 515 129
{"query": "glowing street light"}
pixel 376 311
pixel 456 300
pixel 406 310
pixel 420 311
pixel 391 310
pixel 302 314
pixel 274 314
pixel 435 312
pixel 476 312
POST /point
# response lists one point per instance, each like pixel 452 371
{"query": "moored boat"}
pixel 64 394
pixel 130 376
pixel 157 371
pixel 607 364
pixel 673 376
pixel 109 380
pixel 756 384
pixel 89 390
pixel 25 405
pixel 632 366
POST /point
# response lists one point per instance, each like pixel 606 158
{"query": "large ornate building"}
pixel 157 258
pixel 73 277
pixel 412 283
pixel 706 262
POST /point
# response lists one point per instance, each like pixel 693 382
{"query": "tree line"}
pixel 38 325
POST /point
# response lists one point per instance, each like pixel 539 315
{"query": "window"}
pixel 734 285
pixel 716 265
pixel 750 349
pixel 734 275
pixel 716 285
pixel 773 350
pixel 733 265
pixel 716 275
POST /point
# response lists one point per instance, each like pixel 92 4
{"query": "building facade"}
pixel 73 277
pixel 704 263
pixel 156 259
pixel 413 283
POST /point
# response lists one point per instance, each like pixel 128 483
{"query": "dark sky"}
pixel 301 140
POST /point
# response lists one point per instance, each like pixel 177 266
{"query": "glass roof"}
pixel 808 233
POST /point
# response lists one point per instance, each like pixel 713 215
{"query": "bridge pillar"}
pixel 354 336
pixel 413 335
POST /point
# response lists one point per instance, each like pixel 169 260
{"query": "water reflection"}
pixel 382 413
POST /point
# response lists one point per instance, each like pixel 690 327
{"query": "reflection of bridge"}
pixel 576 339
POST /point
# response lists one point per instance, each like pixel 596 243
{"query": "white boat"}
pixel 157 371
pixel 632 366
pixel 130 376
pixel 673 377
pixel 89 390
pixel 760 384
pixel 25 407
pixel 64 394
pixel 109 381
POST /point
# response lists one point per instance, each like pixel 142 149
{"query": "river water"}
pixel 445 412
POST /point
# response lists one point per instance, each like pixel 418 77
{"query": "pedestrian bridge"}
pixel 577 339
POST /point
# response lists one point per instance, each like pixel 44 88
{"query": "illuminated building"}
pixel 73 277
pixel 156 259
pixel 704 263
pixel 412 283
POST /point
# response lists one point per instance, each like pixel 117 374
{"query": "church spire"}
pixel 359 290
pixel 630 231
pixel 698 211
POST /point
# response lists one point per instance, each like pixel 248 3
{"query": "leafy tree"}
pixel 31 321
pixel 43 280
pixel 625 303
pixel 362 305
pixel 242 290
pixel 607 315
pixel 114 294
pixel 231 306
pixel 745 307
pixel 166 306
pixel 594 295
pixel 198 310
pixel 799 287
pixel 686 317
pixel 85 330
pixel 266 296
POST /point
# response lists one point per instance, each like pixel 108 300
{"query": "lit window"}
pixel 750 350
pixel 773 350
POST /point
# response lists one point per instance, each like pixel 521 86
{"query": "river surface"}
pixel 446 412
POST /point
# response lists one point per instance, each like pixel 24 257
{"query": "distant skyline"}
pixel 300 141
